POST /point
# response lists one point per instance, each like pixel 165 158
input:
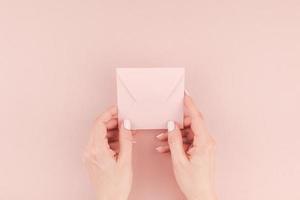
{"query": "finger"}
pixel 187 121
pixel 185 140
pixel 162 149
pixel 197 124
pixel 175 143
pixel 100 127
pixel 98 139
pixel 112 124
pixel 104 153
pixel 125 139
pixel 99 134
pixel 164 136
pixel 190 108
pixel 109 114
pixel 166 148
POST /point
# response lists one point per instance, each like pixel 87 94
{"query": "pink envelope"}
pixel 149 97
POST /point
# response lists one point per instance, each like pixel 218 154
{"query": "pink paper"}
pixel 149 97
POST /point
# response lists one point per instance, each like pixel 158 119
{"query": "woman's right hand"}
pixel 192 151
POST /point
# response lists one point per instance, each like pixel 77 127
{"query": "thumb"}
pixel 125 139
pixel 175 143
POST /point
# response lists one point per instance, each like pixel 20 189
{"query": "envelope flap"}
pixel 147 84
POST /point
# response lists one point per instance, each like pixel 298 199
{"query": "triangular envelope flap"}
pixel 150 84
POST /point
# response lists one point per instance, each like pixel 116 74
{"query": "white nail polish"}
pixel 187 92
pixel 127 124
pixel 171 126
pixel 160 135
pixel 159 149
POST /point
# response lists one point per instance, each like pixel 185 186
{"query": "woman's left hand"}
pixel 108 157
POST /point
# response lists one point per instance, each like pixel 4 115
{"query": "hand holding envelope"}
pixel 149 97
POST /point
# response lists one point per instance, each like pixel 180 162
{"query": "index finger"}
pixel 98 138
pixel 191 109
pixel 99 131
pixel 196 121
pixel 108 114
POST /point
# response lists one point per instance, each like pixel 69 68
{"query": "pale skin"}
pixel 108 155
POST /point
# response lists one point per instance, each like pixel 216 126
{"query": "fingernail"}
pixel 187 92
pixel 159 149
pixel 171 126
pixel 127 124
pixel 160 135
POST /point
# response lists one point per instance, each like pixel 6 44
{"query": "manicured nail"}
pixel 159 149
pixel 127 124
pixel 160 135
pixel 171 126
pixel 187 92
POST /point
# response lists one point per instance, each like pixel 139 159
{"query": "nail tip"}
pixel 170 125
pixel 158 149
pixel 127 124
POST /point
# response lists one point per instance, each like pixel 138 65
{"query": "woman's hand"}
pixel 108 157
pixel 192 152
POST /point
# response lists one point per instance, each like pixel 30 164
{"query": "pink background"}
pixel 57 60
